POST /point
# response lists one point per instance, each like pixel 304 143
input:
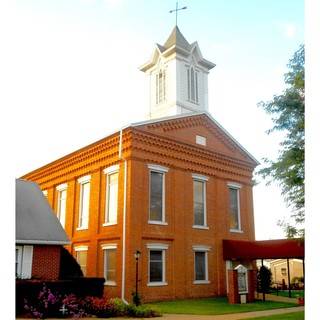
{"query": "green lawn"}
pixel 285 293
pixel 211 306
pixel 287 316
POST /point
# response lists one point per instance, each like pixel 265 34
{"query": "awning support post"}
pixel 289 287
pixel 304 280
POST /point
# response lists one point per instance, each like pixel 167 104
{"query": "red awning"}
pixel 267 249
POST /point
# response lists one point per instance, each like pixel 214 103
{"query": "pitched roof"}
pixel 177 38
pixel 35 221
pixel 193 114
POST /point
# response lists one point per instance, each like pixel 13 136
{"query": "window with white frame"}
pixel 199 200
pixel 234 207
pixel 110 263
pixel 201 264
pixel 84 203
pixel 157 264
pixel 81 257
pixel 18 261
pixel 192 79
pixel 157 194
pixel 111 211
pixel 24 256
pixel 62 202
pixel 160 86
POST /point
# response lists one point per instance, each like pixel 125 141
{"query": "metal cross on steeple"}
pixel 176 11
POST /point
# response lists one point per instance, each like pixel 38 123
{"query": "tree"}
pixel 287 111
pixel 264 278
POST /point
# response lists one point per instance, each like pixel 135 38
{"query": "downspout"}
pixel 123 223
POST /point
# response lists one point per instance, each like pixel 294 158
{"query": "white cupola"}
pixel 178 77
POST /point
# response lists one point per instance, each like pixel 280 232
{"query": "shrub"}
pixel 50 304
pixel 141 312
pixel 264 279
pixel 101 307
pixel 81 287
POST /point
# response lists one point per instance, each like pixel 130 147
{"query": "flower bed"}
pixel 50 304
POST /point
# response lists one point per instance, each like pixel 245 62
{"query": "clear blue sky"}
pixel 75 67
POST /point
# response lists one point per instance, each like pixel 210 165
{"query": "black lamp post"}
pixel 137 256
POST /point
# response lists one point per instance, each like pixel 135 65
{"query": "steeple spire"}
pixel 178 77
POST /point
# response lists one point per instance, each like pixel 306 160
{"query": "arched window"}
pixel 192 77
pixel 160 86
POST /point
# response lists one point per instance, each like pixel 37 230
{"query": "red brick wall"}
pixel 233 295
pixel 175 149
pixel 46 262
pixel 252 284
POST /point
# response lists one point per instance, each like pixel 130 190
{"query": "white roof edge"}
pixel 141 123
pixel 48 242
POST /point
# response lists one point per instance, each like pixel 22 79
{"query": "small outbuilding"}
pixel 39 234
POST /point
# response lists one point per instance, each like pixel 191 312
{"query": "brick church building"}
pixel 173 187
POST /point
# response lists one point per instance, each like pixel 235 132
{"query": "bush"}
pixel 51 304
pixel 81 287
pixel 48 303
pixel 141 312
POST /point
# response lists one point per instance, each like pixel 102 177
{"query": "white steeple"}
pixel 178 77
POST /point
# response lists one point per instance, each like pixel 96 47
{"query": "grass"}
pixel 287 316
pixel 212 306
pixel 285 293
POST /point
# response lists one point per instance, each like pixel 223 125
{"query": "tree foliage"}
pixel 287 111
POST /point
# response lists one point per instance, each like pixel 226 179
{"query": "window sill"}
pixel 201 282
pixel 157 284
pixel 200 227
pixel 109 224
pixel 82 228
pixel 158 222
pixel 236 230
pixel 110 283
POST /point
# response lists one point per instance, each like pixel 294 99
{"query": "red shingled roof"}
pixel 267 249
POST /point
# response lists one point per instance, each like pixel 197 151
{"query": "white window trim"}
pixel 109 246
pixel 62 187
pixel 157 246
pixel 81 248
pixel 201 140
pixel 26 265
pixel 108 171
pixel 111 169
pixel 19 269
pixel 204 179
pixel 84 179
pixel 161 247
pixel 81 181
pixel 236 186
pixel 163 170
pixel 158 168
pixel 45 193
pixel 205 249
pixel 200 177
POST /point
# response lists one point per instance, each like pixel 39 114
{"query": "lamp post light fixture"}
pixel 137 255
